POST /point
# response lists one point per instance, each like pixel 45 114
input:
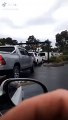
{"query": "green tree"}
pixel 45 46
pixel 15 42
pixel 2 41
pixel 32 43
pixel 62 41
pixel 8 40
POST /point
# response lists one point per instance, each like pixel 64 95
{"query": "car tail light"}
pixel 2 61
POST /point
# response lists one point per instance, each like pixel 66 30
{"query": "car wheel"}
pixel 42 61
pixel 16 72
pixel 37 62
pixel 32 69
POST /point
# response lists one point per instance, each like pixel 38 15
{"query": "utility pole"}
pixel 48 50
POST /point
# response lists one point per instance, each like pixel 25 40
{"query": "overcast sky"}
pixel 42 18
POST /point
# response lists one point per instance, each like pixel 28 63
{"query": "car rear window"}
pixel 42 54
pixel 35 54
pixel 31 54
pixel 7 49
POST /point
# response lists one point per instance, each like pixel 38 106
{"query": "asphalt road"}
pixel 52 77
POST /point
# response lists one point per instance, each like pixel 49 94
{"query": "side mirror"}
pixel 29 54
pixel 20 89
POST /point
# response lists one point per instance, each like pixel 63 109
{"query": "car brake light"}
pixel 2 61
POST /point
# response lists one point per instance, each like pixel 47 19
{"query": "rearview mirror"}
pixel 21 89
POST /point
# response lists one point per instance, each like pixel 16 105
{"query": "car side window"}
pixel 35 54
pixel 26 53
pixel 22 51
pixel 38 54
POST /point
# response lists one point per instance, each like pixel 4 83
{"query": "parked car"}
pixel 14 59
pixel 37 59
pixel 56 54
pixel 44 55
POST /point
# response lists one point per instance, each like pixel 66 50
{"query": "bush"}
pixel 59 59
pixel 64 57
pixel 52 59
pixel 65 52
pixel 56 59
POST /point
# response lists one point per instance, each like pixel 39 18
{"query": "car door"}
pixel 39 58
pixel 23 60
pixel 28 59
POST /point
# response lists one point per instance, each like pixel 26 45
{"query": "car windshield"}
pixel 31 54
pixel 7 49
pixel 42 54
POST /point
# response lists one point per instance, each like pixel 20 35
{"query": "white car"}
pixel 44 56
pixel 37 59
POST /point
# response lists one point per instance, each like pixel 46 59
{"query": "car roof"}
pixel 7 46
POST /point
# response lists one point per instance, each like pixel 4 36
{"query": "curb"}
pixel 54 64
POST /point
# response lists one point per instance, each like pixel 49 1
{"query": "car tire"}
pixel 37 62
pixel 32 69
pixel 42 62
pixel 34 63
pixel 16 72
